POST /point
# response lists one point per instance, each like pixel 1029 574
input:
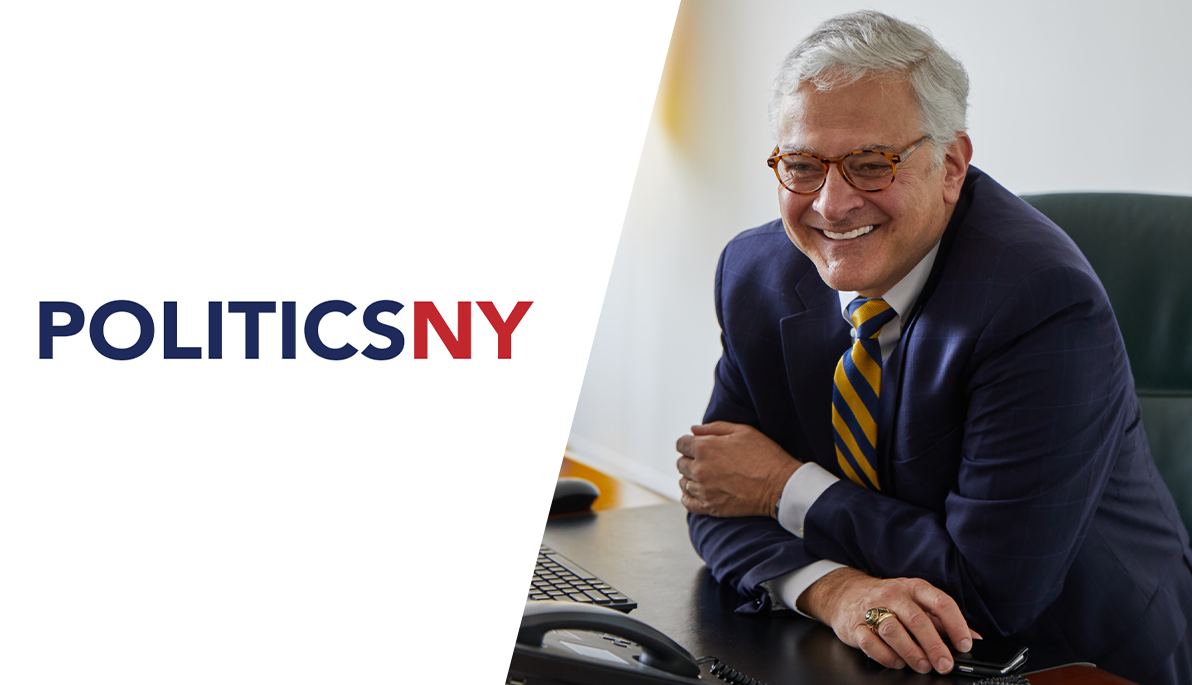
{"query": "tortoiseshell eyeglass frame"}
pixel 895 160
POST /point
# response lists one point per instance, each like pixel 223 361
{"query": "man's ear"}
pixel 956 161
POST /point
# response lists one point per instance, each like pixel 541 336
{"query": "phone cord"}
pixel 727 674
pixel 1004 680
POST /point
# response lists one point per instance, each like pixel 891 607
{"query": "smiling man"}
pixel 923 428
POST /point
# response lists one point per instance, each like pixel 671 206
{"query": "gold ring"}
pixel 683 487
pixel 875 616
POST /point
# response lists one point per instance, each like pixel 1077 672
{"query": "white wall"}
pixel 1064 96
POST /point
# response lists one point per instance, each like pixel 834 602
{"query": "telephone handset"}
pixel 566 643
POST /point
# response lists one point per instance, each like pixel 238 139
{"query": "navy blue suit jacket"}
pixel 1015 470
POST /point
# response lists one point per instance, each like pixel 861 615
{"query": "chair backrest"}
pixel 1141 248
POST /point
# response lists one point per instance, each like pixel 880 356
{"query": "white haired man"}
pixel 924 413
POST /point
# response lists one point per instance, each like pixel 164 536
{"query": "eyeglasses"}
pixel 869 170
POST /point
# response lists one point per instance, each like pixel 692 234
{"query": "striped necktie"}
pixel 858 383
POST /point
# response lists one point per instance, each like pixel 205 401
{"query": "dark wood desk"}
pixel 645 553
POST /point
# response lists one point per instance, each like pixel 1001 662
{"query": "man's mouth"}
pixel 855 233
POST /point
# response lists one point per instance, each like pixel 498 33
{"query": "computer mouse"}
pixel 573 495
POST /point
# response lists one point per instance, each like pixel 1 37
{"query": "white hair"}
pixel 869 44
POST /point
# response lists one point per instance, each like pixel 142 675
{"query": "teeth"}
pixel 851 234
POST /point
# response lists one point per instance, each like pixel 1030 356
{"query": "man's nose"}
pixel 837 198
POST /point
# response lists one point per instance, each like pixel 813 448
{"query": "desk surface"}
pixel 645 553
pixel 615 493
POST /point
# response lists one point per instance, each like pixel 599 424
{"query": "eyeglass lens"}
pixel 865 170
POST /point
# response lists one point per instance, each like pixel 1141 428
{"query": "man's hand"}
pixel 729 469
pixel 923 614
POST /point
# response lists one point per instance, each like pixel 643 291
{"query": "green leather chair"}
pixel 1141 247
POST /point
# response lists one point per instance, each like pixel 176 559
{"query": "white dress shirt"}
pixel 809 481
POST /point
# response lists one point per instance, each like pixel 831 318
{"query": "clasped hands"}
pixel 729 469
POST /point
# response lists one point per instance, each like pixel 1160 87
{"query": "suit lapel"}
pixel 888 402
pixel 812 342
pixel 891 396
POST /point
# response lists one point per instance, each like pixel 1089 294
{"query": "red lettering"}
pixel 504 328
pixel 461 347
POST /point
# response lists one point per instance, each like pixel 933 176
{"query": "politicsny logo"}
pixel 458 342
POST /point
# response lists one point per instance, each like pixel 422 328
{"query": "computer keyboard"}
pixel 559 578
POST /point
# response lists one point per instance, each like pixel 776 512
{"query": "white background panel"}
pixel 270 520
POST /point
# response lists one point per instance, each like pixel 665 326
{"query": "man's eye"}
pixel 871 169
pixel 801 167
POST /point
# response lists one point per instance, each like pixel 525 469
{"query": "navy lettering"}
pixel 311 330
pixel 288 330
pixel 144 340
pixel 215 330
pixel 252 324
pixel 171 338
pixel 397 341
pixel 48 331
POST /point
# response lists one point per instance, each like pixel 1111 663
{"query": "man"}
pixel 924 407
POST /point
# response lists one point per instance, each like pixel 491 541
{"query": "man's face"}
pixel 906 219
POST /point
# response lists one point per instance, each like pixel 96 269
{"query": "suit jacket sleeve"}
pixel 1047 401
pixel 742 552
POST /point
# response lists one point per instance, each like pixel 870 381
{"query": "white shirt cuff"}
pixel 804 486
pixel 788 588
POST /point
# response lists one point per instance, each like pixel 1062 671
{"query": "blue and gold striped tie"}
pixel 858 384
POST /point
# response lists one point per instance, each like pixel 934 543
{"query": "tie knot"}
pixel 868 316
